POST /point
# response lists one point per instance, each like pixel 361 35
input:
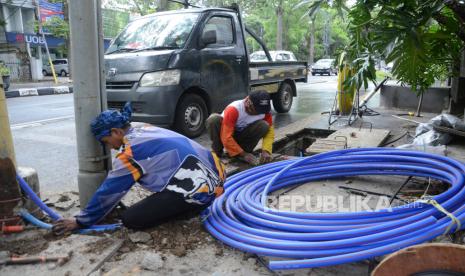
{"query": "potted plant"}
pixel 5 72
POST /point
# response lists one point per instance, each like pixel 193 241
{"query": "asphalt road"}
pixel 44 130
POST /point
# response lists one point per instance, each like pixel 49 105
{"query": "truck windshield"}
pixel 168 31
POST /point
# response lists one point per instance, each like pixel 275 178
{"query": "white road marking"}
pixel 40 122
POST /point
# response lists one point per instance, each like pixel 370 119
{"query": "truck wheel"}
pixel 191 114
pixel 282 101
pixel 44 73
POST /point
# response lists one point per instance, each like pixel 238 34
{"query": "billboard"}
pixel 49 10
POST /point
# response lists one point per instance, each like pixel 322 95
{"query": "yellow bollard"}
pixel 6 140
pixel 345 97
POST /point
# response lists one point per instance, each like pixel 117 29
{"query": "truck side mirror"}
pixel 208 37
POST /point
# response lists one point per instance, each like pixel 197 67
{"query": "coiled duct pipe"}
pixel 32 195
pixel 241 219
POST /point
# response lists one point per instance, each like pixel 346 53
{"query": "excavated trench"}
pixel 295 144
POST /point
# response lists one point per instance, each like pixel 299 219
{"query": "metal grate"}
pixel 136 106
pixel 126 85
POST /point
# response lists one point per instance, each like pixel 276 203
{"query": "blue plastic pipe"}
pixel 34 221
pixel 32 195
pixel 242 219
pixel 37 222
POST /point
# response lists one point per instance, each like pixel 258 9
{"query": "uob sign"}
pixel 34 39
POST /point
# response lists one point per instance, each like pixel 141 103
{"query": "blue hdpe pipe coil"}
pixel 33 220
pixel 241 218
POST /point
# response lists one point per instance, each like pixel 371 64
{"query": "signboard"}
pixel 37 40
pixel 49 10
pixel 18 38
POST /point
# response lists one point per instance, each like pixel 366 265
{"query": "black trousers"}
pixel 248 138
pixel 159 208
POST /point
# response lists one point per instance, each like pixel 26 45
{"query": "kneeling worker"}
pixel 241 126
pixel 184 176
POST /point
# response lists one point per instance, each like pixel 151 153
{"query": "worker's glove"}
pixel 265 157
pixel 63 226
pixel 250 158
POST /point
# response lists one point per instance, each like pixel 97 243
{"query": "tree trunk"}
pixel 311 43
pixel 163 5
pixel 457 88
pixel 420 103
pixel 279 29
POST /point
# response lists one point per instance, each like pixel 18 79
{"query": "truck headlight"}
pixel 161 78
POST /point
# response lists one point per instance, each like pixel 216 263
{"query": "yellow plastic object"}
pixel 6 140
pixel 345 97
pixel 54 74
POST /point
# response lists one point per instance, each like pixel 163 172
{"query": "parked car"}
pixel 60 65
pixel 324 67
pixel 260 56
pixel 195 65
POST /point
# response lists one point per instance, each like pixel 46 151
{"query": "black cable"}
pixel 398 190
pixel 395 140
pixel 366 111
pixel 368 192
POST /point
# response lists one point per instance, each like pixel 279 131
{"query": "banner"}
pixel 49 10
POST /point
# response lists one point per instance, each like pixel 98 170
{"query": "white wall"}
pixel 36 67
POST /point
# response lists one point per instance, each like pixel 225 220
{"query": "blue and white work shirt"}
pixel 157 159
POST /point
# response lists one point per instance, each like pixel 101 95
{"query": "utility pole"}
pixel 89 97
pixel 41 31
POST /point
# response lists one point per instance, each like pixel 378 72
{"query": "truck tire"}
pixel 191 114
pixel 282 101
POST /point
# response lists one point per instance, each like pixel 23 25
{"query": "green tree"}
pixel 113 22
pixel 141 7
pixel 300 35
pixel 57 27
pixel 422 38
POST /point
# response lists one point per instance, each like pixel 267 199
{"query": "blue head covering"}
pixel 101 126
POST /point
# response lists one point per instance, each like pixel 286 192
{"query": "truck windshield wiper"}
pixel 122 50
pixel 157 48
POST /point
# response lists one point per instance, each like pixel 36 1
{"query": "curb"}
pixel 24 92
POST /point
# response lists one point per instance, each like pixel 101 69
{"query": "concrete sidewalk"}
pixel 40 88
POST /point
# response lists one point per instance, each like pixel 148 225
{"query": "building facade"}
pixel 22 49
pixel 22 58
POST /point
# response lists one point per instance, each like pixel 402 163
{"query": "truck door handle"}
pixel 239 59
